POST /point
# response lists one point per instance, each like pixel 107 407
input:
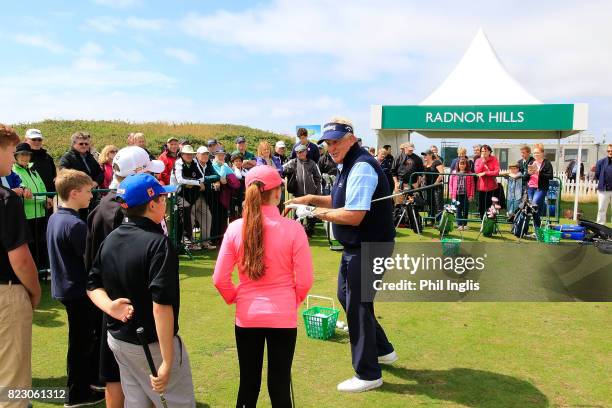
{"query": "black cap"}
pixel 212 142
pixel 221 150
pixel 240 139
pixel 23 148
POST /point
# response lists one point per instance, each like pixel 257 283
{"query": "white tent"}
pixel 480 100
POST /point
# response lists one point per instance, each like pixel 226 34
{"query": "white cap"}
pixel 33 134
pixel 133 159
pixel 202 149
pixel 280 144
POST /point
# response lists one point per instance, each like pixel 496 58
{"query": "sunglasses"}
pixel 83 144
pixel 113 151
pixel 36 140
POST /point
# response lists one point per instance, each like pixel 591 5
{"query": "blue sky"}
pixel 276 64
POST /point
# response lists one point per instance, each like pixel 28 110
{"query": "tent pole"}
pixel 578 162
pixel 558 155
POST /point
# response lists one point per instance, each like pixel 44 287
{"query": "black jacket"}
pixel 405 165
pixel 43 164
pixel 327 165
pixel 522 163
pixel 73 160
pixel 546 174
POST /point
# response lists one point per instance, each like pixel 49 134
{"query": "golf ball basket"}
pixel 320 321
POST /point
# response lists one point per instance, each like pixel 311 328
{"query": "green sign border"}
pixel 476 117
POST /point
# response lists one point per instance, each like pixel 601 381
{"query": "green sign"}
pixel 481 117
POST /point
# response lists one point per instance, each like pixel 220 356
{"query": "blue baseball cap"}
pixel 139 189
pixel 335 131
pixel 240 139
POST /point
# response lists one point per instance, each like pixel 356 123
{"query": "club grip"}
pixel 145 346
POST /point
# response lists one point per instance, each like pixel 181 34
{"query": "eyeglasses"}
pixel 83 144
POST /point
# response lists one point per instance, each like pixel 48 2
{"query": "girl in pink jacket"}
pixel 487 168
pixel 461 188
pixel 274 266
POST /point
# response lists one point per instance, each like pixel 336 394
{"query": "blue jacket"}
pixel 13 180
pixel 275 160
pixel 602 167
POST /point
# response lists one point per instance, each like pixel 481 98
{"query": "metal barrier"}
pixel 446 194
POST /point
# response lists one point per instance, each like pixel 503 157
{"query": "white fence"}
pixel 587 190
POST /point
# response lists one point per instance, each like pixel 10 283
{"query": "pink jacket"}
pixel 491 169
pixel 271 301
pixel 454 180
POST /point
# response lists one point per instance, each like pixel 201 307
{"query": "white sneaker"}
pixel 356 385
pixel 466 228
pixel 388 358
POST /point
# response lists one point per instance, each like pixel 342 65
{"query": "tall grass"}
pixel 57 133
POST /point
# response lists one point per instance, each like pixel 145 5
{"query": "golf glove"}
pixel 302 211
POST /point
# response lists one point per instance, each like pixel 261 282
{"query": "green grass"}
pixel 57 133
pixel 481 355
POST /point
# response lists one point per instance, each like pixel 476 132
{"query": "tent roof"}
pixel 480 99
pixel 480 78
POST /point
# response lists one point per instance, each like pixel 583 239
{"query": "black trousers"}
pixel 484 201
pixel 368 339
pixel 464 209
pixel 250 344
pixel 84 322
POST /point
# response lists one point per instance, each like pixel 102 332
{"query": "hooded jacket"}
pixel 307 175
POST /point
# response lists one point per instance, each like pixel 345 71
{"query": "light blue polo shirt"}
pixel 360 185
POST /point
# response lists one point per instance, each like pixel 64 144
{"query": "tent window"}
pixel 572 154
pixel 550 154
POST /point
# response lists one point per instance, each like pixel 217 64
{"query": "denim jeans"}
pixel 538 197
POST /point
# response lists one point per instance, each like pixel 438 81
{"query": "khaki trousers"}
pixel 15 340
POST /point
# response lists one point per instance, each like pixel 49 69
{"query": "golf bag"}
pixel 523 217
pixel 447 220
pixel 407 214
pixel 487 227
pixel 521 224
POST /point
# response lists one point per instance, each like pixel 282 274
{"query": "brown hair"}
pixel 526 148
pixel 68 180
pixel 302 132
pixel 252 251
pixel 139 210
pixel 8 136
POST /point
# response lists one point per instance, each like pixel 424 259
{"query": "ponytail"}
pixel 251 257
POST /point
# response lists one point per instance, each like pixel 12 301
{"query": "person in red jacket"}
pixel 487 168
pixel 169 157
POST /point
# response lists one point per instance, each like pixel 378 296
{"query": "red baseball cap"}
pixel 267 175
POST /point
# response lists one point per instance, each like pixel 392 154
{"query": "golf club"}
pixel 145 346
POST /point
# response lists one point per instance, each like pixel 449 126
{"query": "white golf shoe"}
pixel 388 358
pixel 356 385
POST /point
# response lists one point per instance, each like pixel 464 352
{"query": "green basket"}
pixel 320 322
pixel 450 246
pixel 549 236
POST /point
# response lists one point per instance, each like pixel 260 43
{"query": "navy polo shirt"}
pixel 66 236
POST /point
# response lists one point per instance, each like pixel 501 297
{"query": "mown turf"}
pixel 481 355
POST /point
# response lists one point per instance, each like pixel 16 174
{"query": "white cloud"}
pixel 128 55
pixel 40 41
pixel 118 4
pixel 103 24
pixel 186 57
pixel 540 43
pixel 144 24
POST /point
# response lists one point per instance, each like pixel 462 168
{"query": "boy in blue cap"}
pixel 134 279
